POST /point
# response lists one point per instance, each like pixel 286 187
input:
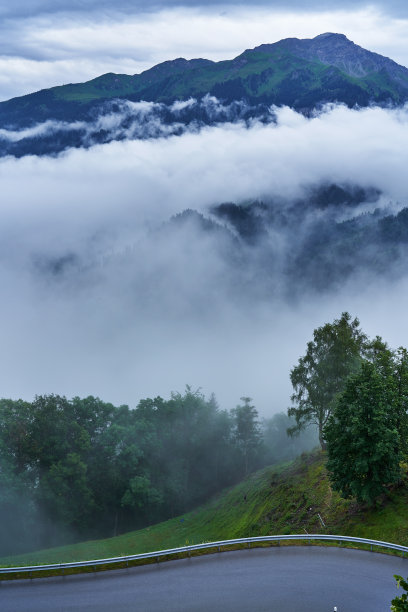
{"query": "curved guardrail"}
pixel 188 549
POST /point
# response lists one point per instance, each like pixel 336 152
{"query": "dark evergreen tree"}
pixel 363 441
pixel 247 434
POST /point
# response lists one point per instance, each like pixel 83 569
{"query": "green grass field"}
pixel 281 499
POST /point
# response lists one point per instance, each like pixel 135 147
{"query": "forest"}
pixel 82 468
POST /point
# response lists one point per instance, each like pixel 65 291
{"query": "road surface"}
pixel 286 579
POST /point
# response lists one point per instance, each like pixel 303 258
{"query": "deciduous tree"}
pixel 335 352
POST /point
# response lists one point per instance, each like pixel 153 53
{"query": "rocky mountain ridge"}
pixel 338 51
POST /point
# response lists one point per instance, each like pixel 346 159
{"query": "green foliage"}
pixel 400 373
pixel 66 492
pixel 247 434
pixel 320 375
pixel 83 468
pixel 400 604
pixel 140 493
pixel 363 440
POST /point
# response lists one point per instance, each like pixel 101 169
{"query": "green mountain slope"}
pixel 276 500
pixel 299 73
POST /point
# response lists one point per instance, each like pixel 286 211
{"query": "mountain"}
pixel 301 73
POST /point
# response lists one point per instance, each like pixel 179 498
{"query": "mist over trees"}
pixel 83 468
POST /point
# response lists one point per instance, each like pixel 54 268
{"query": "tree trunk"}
pixel 321 438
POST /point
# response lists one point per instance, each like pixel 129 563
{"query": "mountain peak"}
pixel 331 35
pixel 337 50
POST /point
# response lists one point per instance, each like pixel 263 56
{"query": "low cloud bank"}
pixel 126 120
pixel 103 295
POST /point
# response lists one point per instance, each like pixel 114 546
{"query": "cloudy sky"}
pixel 50 42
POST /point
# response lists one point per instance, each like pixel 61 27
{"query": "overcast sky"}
pixel 45 43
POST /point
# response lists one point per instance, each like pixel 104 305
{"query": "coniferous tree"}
pixel 363 440
pixel 247 433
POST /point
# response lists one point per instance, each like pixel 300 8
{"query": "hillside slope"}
pixel 276 500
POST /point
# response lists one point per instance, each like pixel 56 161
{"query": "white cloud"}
pixel 180 105
pixel 41 129
pixel 164 311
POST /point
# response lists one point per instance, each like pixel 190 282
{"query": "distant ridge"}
pixel 301 73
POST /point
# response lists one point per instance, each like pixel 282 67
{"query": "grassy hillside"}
pixel 276 500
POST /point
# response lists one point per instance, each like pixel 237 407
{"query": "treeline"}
pixel 82 468
pixel 321 250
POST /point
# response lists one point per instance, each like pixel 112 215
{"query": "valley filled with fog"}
pixel 132 268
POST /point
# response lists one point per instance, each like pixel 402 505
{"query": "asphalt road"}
pixel 286 579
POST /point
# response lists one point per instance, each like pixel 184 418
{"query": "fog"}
pixel 103 295
pixel 123 120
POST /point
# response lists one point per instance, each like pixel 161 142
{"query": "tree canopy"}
pixel 320 375
pixel 400 604
pixel 83 468
pixel 363 437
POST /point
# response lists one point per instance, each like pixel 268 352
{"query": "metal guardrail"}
pixel 188 549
